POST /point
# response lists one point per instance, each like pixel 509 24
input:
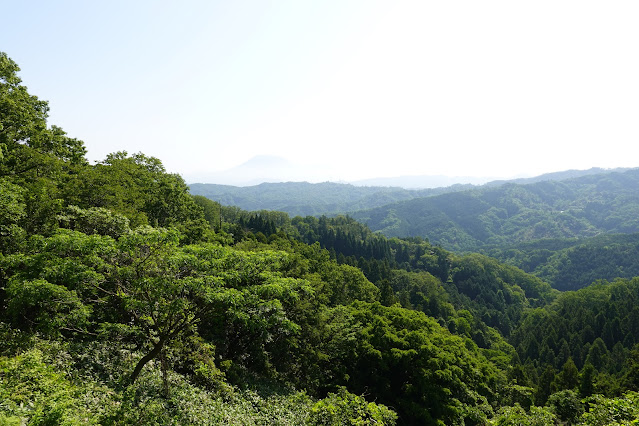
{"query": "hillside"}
pixel 561 175
pixel 511 213
pixel 570 264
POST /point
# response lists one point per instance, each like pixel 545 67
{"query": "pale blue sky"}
pixel 348 89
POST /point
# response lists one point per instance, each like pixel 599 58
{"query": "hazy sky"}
pixel 363 88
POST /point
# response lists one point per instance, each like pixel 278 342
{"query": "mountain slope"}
pixel 569 264
pixel 511 213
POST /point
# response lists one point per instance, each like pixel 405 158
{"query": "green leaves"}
pixel 49 308
pixel 32 391
pixel 612 411
pixel 345 408
pixel 27 144
pixel 517 416
pixel 95 220
pixel 419 368
pixel 12 211
pixel 138 187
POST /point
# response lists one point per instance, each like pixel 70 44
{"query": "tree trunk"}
pixel 157 348
pixel 165 368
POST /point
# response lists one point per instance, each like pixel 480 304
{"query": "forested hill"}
pixel 469 220
pixel 314 199
pixel 562 175
pixel 573 263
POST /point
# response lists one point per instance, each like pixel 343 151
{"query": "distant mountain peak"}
pixel 260 169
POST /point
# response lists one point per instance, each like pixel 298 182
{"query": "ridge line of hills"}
pixel 329 198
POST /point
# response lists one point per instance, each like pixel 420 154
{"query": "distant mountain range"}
pixel 303 198
pixel 423 181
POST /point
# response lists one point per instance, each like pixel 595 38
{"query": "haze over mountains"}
pixel 273 169
pixel 259 169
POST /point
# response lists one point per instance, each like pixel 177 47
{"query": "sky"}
pixel 339 90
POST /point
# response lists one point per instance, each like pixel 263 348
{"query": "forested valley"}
pixel 124 299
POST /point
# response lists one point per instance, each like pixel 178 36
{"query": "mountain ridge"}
pixel 305 198
pixel 579 207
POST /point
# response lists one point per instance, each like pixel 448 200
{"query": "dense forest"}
pixel 125 299
pixel 573 263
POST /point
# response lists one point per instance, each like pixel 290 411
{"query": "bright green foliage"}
pixel 156 286
pixel 566 405
pixel 27 144
pixel 612 411
pixel 249 315
pixel 138 187
pixel 211 210
pixel 517 416
pixel 46 307
pixel 344 408
pixel 32 390
pixel 72 282
pixel 12 210
pixel 147 288
pixel 95 220
pixel 49 283
pixel 71 275
pixel 515 394
pixel 344 283
pixel 423 292
pixel 33 156
pixel 410 363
